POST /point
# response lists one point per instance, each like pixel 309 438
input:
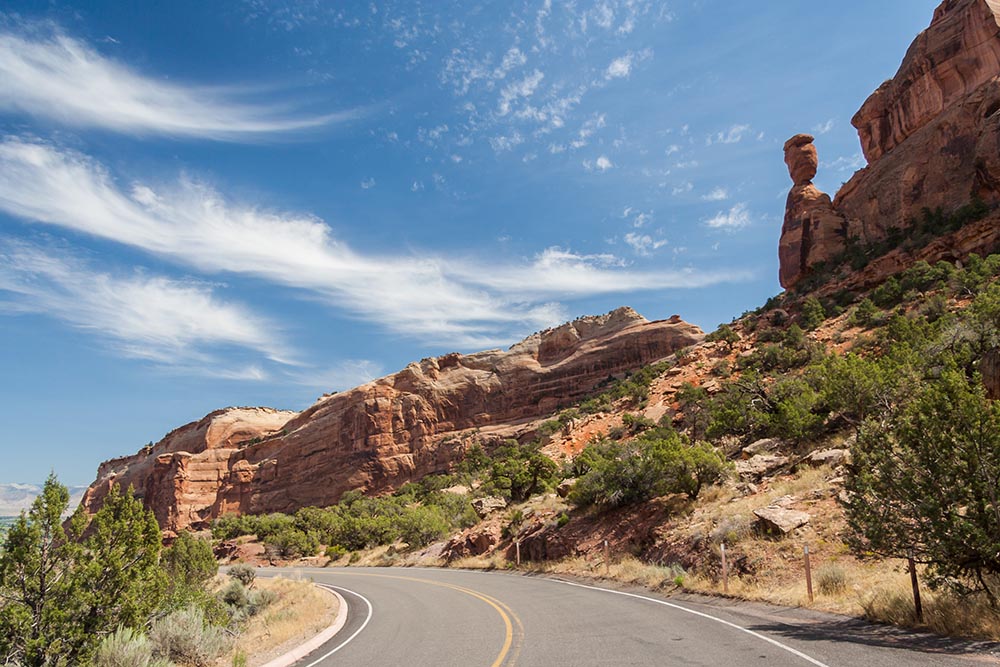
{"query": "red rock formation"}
pixel 931 135
pixel 382 434
pixel 812 232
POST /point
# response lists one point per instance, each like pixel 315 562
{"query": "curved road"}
pixel 427 617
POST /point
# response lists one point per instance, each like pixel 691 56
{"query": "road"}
pixel 427 617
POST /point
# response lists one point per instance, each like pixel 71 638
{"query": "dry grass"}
pixel 301 611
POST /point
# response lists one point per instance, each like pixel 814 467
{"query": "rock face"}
pixel 382 434
pixel 931 136
pixel 812 232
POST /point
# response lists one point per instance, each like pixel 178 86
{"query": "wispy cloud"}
pixel 736 217
pixel 171 322
pixel 717 194
pixel 44 72
pixel 643 244
pixel 464 301
pixel 823 128
pixel 733 135
pixel 845 163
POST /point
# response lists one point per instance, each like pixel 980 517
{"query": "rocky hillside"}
pixel 930 192
pixel 378 436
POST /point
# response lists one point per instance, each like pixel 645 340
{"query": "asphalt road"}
pixel 426 617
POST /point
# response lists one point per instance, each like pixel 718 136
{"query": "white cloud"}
pixel 682 188
pixel 673 148
pixel 845 163
pixel 171 322
pixel 466 301
pixel 733 135
pixel 644 244
pixel 823 128
pixel 717 194
pixel 619 68
pixel 342 376
pixel 602 164
pixel 56 76
pixel 524 88
pixel 736 217
pixel 368 183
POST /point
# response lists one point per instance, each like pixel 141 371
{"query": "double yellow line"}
pixel 513 639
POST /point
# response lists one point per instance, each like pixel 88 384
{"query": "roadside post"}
pixel 517 552
pixel 809 578
pixel 607 559
pixel 725 570
pixel 916 587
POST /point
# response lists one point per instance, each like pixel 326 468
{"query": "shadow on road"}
pixel 862 632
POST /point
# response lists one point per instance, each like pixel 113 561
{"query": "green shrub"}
pixel 864 314
pixel 291 542
pixel 813 313
pixel 183 636
pixel 831 579
pixel 243 573
pixel 632 472
pixel 127 647
pixel 189 561
pixel 335 552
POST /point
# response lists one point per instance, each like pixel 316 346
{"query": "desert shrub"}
pixel 189 561
pixel 831 579
pixel 291 542
pixel 183 636
pixel 657 464
pixel 731 530
pixel 520 471
pixel 127 647
pixel 812 314
pixel 243 573
pixel 236 595
pixel 421 525
pixel 864 313
pixel 725 335
pixel 335 552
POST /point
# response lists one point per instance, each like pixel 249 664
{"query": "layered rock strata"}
pixel 931 135
pixel 382 434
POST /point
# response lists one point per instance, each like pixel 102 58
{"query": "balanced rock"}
pixel 812 232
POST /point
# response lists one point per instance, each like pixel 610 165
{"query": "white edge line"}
pixel 703 615
pixel 356 632
pixel 324 636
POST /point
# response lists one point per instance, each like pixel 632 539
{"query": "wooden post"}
pixel 809 577
pixel 607 559
pixel 517 551
pixel 916 587
pixel 725 570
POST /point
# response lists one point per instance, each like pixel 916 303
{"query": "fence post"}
pixel 607 559
pixel 517 552
pixel 916 587
pixel 809 578
pixel 725 570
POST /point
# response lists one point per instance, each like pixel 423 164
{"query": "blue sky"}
pixel 211 204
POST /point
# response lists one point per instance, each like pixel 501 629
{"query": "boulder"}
pixel 829 457
pixel 762 446
pixel 488 505
pixel 565 487
pixel 780 520
pixel 757 467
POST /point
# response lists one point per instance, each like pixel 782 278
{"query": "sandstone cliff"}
pixel 382 434
pixel 931 135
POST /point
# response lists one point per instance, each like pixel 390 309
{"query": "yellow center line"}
pixel 505 612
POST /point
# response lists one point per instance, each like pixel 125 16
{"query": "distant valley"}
pixel 15 497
